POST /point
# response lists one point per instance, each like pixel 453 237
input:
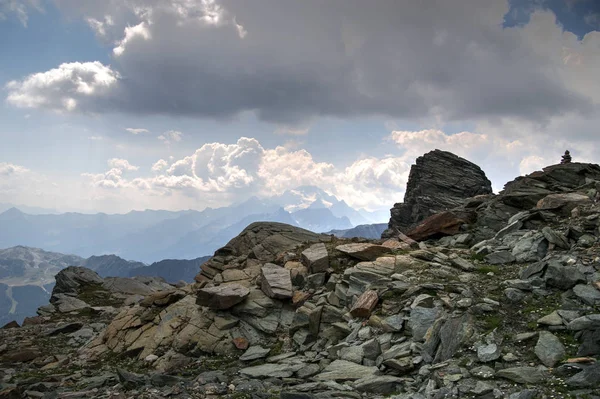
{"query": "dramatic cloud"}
pixel 71 86
pixel 293 61
pixel 219 173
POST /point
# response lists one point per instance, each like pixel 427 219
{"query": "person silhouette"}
pixel 566 158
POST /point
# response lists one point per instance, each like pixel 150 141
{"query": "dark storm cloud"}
pixel 294 60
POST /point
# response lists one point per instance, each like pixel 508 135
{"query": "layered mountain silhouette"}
pixel 27 275
pixel 149 236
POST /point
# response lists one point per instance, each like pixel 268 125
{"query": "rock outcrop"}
pixel 438 181
pixel 290 314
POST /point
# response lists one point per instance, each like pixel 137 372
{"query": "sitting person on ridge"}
pixel 566 158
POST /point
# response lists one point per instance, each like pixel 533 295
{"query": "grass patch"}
pixel 488 269
pixel 477 257
pixel 492 322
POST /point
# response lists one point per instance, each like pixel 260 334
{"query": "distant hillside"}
pixel 27 275
pixel 372 231
pixel 149 236
pixel 172 270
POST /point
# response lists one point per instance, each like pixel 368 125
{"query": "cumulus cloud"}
pixel 121 164
pixel 9 169
pixel 159 165
pixel 70 87
pixel 291 61
pixel 136 131
pixel 221 173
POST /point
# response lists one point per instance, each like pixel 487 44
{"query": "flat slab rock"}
pixel 276 281
pixel 342 370
pixel 222 297
pixel 364 251
pixel 316 258
pixel 272 370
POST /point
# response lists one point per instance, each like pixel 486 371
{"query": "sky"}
pixel 116 105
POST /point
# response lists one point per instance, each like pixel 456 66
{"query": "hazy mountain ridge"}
pixel 151 235
pixel 27 275
pixel 372 231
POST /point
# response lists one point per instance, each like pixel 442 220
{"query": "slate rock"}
pixel 316 258
pixel 524 375
pixel 276 281
pixel 384 384
pixel 222 297
pixel 342 370
pixel 364 251
pixel 500 258
pixel 549 349
pixel 488 353
pixel 420 320
pixel 65 329
pixel 254 352
pixel 439 180
pixel 587 293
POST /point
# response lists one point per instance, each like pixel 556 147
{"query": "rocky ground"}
pixel 503 304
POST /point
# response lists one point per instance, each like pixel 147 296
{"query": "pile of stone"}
pixel 506 309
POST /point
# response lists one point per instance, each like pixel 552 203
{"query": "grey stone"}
pixel 549 349
pixel 222 297
pixel 488 353
pixel 276 281
pixel 589 377
pixel 462 264
pixel 364 251
pixel 254 352
pixel 500 258
pixel 342 370
pixel 524 375
pixel 563 277
pixel 552 319
pixel 393 323
pixel 378 384
pixel 352 354
pixel 420 320
pixel 271 370
pixel 556 238
pixel 589 322
pixel 525 394
pixel 530 249
pixel 65 304
pixel 316 258
pixel 587 294
pixel 514 295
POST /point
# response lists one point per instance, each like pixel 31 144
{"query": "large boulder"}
pixel 73 278
pixel 439 225
pixel 438 181
pixel 263 241
pixel 222 297
pixel 526 192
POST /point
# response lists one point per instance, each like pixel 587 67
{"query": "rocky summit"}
pixel 498 297
pixel 438 181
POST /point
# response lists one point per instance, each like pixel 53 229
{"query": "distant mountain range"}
pixel 27 275
pixel 151 235
pixel 372 231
